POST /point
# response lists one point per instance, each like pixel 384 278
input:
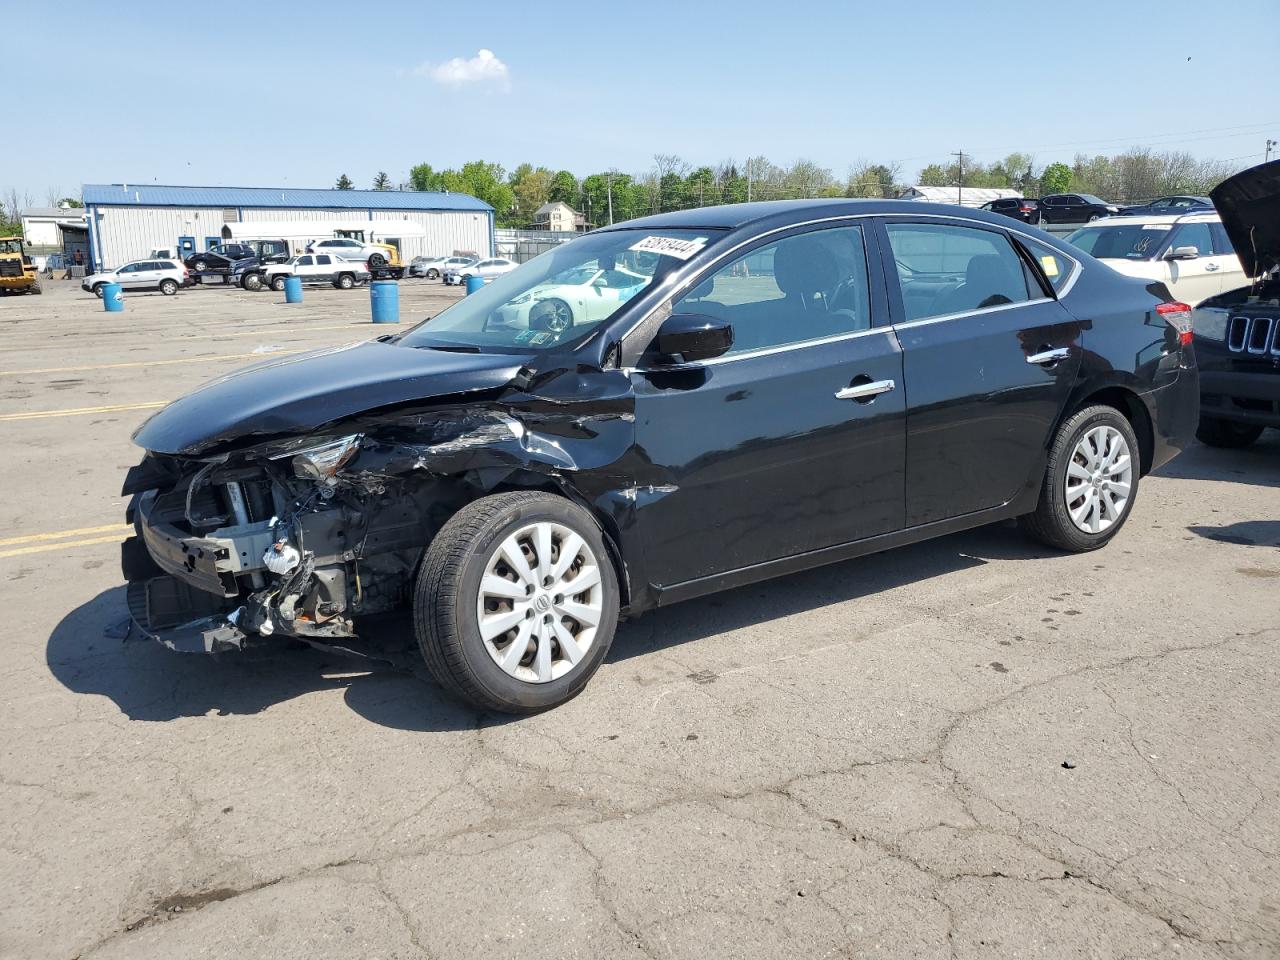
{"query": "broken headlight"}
pixel 323 460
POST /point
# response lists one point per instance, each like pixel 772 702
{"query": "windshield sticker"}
pixel 1050 265
pixel 669 247
pixel 1157 226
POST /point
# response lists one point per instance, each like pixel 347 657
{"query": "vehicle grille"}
pixel 10 268
pixel 1256 335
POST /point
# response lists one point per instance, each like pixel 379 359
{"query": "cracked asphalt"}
pixel 971 748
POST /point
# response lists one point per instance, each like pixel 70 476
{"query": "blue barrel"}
pixel 384 297
pixel 474 284
pixel 112 297
pixel 292 290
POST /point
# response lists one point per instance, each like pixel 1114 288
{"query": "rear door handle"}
pixel 1048 357
pixel 1210 267
pixel 865 391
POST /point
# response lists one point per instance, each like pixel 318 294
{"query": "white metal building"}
pixel 965 196
pixel 127 222
pixel 40 224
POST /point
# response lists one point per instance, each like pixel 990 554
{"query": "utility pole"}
pixel 1271 145
pixel 959 155
pixel 609 190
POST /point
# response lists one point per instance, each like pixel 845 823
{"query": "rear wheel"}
pixel 1226 433
pixel 516 602
pixel 345 282
pixel 168 287
pixel 1090 482
pixel 200 265
pixel 277 283
pixel 433 273
pixel 377 260
pixel 251 281
pixel 1095 216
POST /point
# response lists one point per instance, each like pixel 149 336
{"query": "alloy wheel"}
pixel 540 602
pixel 1099 479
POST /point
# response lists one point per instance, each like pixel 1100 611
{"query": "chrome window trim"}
pixel 1078 269
pixel 762 352
pixel 970 313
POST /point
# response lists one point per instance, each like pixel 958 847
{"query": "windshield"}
pixel 562 295
pixel 10 246
pixel 1137 241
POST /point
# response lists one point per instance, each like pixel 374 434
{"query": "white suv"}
pixel 489 269
pixel 1190 255
pixel 350 249
pixel 316 268
pixel 163 275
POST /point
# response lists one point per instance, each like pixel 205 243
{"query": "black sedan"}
pixel 220 256
pixel 655 411
pixel 1020 208
pixel 1074 208
pixel 1171 205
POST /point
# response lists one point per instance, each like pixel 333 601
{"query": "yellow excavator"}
pixel 17 272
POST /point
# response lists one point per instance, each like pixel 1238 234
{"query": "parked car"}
pixel 794 384
pixel 316 268
pixel 585 294
pixel 1074 208
pixel 167 276
pixel 489 269
pixel 1191 255
pixel 436 267
pixel 1174 205
pixel 1237 333
pixel 1020 208
pixel 376 254
pixel 219 257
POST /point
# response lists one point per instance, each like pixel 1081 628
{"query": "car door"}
pixel 1050 209
pixel 305 268
pixel 791 442
pixel 989 359
pixel 324 268
pixel 1195 278
pixel 1232 274
pixel 130 275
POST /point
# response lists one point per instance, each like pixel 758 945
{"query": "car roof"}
pixel 780 213
pixel 1169 218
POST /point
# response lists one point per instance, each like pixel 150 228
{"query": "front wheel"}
pixel 1090 482
pixel 1226 433
pixel 277 284
pixel 97 290
pixel 251 281
pixel 200 266
pixel 1095 216
pixel 168 287
pixel 516 602
pixel 433 274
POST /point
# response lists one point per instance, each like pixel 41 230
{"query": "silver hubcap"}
pixel 540 602
pixel 1099 478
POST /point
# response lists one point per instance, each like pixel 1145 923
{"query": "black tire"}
pixel 433 273
pixel 168 287
pixel 1215 432
pixel 1095 216
pixel 251 281
pixel 1051 523
pixel 448 583
pixel 345 281
pixel 377 260
pixel 200 266
pixel 97 290
pixel 36 289
pixel 277 283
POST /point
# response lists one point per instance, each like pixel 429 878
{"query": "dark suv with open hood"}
pixel 1237 333
pixel 655 411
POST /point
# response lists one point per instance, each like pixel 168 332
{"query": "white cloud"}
pixel 483 68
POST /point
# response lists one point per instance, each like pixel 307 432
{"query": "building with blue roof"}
pixel 128 221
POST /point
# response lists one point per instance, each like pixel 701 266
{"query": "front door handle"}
pixel 1049 357
pixel 865 391
pixel 1210 267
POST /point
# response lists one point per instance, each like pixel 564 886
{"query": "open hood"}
pixel 1249 204
pixel 300 393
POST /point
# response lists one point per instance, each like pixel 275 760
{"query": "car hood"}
pixel 1249 204
pixel 299 394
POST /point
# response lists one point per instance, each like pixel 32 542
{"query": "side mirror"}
pixel 1183 253
pixel 694 336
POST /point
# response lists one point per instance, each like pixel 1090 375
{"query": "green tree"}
pixel 484 181
pixel 935 175
pixel 344 183
pixel 564 189
pixel 423 177
pixel 671 192
pixel 382 181
pixel 1056 178
pixel 700 187
pixel 531 187
pixel 71 202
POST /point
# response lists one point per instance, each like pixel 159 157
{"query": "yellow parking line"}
pixel 144 363
pixel 121 528
pixel 81 411
pixel 46 547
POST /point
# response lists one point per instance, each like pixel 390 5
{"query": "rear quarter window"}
pixel 1057 268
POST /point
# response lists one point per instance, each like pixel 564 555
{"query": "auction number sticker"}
pixel 669 246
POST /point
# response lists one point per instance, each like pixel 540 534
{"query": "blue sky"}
pixel 297 94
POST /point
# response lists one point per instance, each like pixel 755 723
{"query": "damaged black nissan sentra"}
pixel 655 411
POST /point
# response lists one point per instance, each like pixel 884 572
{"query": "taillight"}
pixel 1178 316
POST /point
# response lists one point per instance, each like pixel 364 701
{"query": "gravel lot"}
pixel 966 748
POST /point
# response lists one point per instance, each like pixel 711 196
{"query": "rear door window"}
pixel 324 260
pixel 945 269
pixel 1194 235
